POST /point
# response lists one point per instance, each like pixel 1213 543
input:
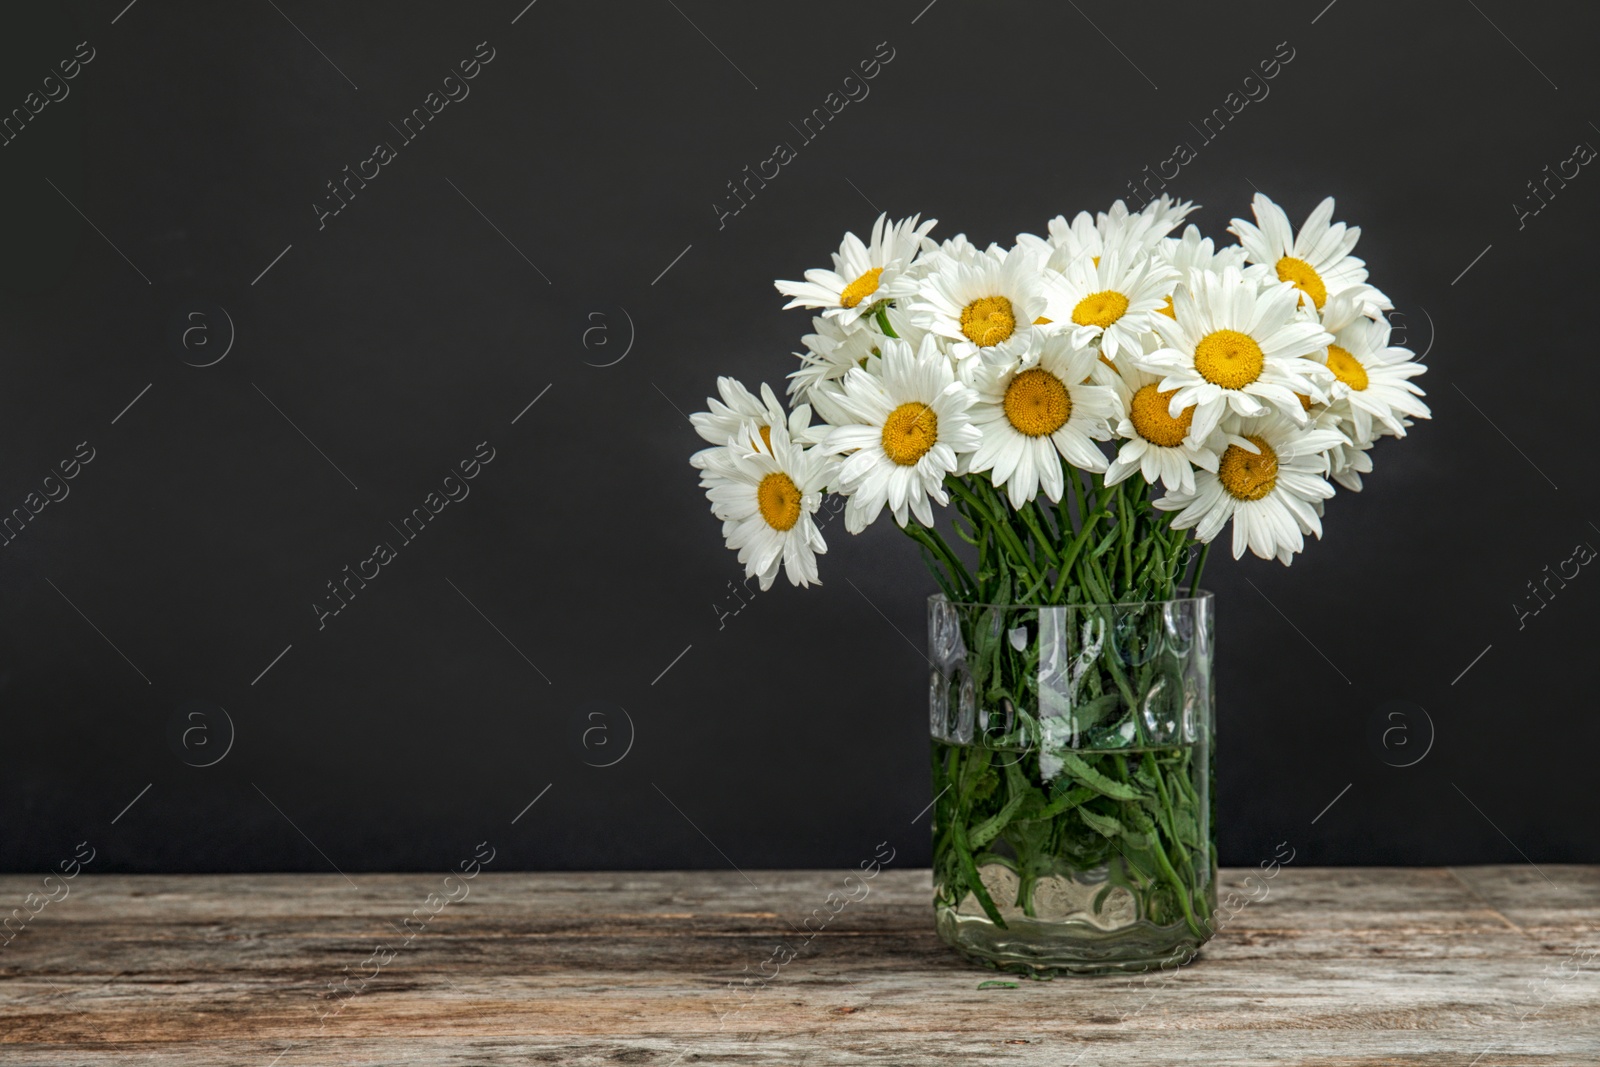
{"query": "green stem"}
pixel 1160 777
pixel 1200 565
pixel 1031 518
pixel 883 322
pixel 1172 878
pixel 1125 529
pixel 1065 570
pixel 960 578
pixel 1002 529
pixel 969 869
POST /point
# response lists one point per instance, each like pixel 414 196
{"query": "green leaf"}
pixel 1100 897
pixel 995 983
pixel 971 772
pixel 1105 545
pixel 936 569
pixel 990 828
pixel 1188 831
pixel 1141 822
pixel 1091 712
pixel 1104 825
pixel 1097 781
pixel 958 838
pixel 1065 801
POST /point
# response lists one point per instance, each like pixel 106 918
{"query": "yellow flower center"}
pixel 1100 309
pixel 988 321
pixel 1305 278
pixel 909 431
pixel 766 437
pixel 1305 401
pixel 1042 321
pixel 1228 358
pixel 779 501
pixel 1347 368
pixel 1248 475
pixel 1037 403
pixel 1166 309
pixel 861 288
pixel 1153 423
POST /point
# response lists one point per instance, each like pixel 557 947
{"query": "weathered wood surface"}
pixel 1468 966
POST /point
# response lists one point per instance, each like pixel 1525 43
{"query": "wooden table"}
pixel 1479 966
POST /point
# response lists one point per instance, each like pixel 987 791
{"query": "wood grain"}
pixel 1469 966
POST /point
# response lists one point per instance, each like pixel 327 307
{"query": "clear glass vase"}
pixel 1072 771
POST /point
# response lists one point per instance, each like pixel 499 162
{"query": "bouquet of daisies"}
pixel 1095 406
pixel 1107 385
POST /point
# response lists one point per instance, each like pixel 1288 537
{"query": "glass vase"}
pixel 1072 774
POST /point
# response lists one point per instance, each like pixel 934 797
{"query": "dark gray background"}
pixel 408 330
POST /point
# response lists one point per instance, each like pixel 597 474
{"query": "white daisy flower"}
pixel 1155 444
pixel 1091 235
pixel 738 407
pixel 1372 377
pixel 1032 417
pixel 766 497
pixel 830 353
pixel 1110 299
pixel 910 427
pixel 957 249
pixel 1347 462
pixel 961 249
pixel 1317 260
pixel 1236 347
pixel 1139 231
pixel 986 308
pixel 1269 482
pixel 829 404
pixel 1193 252
pixel 1165 214
pixel 1077 238
pixel 859 271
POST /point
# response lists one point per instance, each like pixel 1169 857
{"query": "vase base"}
pixel 1050 949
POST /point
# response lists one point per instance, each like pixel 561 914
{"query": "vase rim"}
pixel 1202 596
